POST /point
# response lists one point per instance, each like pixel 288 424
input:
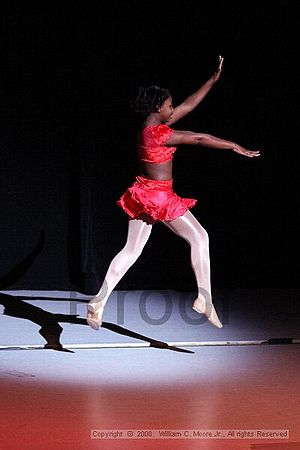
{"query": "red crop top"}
pixel 151 144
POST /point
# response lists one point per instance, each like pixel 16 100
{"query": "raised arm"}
pixel 193 100
pixel 207 140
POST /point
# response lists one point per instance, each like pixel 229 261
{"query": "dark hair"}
pixel 149 99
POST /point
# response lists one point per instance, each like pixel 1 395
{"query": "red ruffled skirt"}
pixel 154 200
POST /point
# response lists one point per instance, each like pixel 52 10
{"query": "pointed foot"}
pixel 209 311
pixel 94 315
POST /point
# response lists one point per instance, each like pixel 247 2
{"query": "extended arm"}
pixel 207 140
pixel 193 100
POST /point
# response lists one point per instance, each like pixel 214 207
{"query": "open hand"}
pixel 217 73
pixel 243 151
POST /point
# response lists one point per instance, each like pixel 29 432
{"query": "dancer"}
pixel 151 199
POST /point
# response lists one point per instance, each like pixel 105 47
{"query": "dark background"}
pixel 69 69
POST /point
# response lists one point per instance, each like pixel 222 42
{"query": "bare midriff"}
pixel 156 171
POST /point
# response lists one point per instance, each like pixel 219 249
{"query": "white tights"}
pixel 139 231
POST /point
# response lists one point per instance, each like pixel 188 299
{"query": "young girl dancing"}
pixel 151 199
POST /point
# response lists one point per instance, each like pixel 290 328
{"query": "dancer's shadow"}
pixel 50 330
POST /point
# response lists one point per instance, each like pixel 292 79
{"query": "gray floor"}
pixel 154 365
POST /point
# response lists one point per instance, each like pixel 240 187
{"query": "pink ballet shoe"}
pixel 212 317
pixel 94 315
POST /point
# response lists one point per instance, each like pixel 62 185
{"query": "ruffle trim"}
pixel 145 202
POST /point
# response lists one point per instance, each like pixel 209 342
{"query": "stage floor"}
pixel 156 372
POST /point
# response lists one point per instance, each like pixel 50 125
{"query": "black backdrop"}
pixel 69 69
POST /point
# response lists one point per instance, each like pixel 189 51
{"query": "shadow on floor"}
pixel 50 329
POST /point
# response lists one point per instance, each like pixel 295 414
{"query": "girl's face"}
pixel 166 110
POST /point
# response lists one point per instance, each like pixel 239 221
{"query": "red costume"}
pixel 154 199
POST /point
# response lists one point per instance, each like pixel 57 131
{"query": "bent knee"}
pixel 130 255
pixel 204 234
pixel 199 239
